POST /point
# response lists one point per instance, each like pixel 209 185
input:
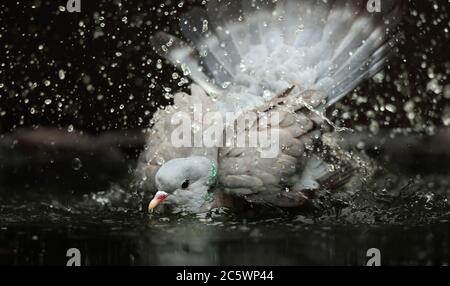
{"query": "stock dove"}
pixel 276 66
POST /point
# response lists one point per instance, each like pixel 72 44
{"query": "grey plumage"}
pixel 295 58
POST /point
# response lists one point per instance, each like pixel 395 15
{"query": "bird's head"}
pixel 184 184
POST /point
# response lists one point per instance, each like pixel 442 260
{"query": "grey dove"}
pixel 277 66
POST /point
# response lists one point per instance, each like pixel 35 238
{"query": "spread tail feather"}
pixel 267 46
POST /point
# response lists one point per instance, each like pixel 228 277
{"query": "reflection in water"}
pixel 136 239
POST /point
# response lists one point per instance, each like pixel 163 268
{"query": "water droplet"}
pixel 159 64
pixel 391 108
pixel 61 74
pixel 300 28
pixel 76 164
pixel 205 26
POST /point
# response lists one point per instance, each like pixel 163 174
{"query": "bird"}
pixel 290 58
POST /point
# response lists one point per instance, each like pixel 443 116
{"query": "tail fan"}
pixel 258 48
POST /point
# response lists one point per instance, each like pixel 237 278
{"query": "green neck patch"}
pixel 212 179
pixel 212 182
pixel 209 197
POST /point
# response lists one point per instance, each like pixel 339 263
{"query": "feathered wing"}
pixel 274 180
pixel 283 178
pixel 160 146
pixel 251 50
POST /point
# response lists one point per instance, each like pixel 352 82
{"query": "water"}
pixel 397 202
pixel 411 226
pixel 136 239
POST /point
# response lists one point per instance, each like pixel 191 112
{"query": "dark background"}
pixel 113 80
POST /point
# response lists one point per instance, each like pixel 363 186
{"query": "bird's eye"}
pixel 185 184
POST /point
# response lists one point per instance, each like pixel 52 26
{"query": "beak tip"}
pixel 159 197
pixel 152 205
